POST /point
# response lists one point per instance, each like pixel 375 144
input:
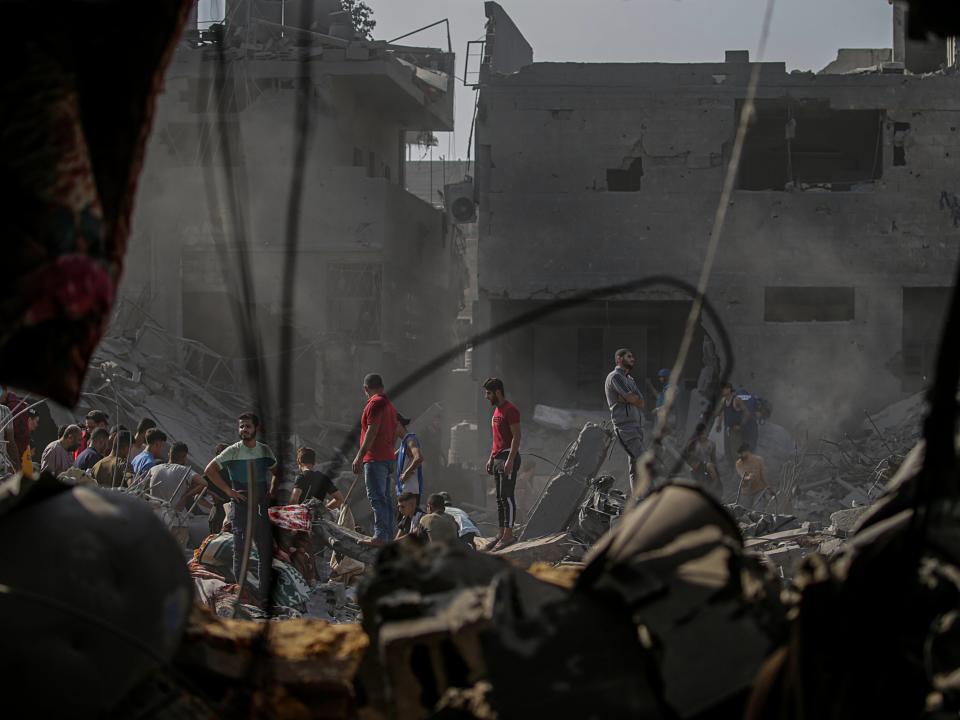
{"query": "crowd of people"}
pixel 390 461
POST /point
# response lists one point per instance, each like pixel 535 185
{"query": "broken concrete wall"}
pixel 554 136
pixel 362 239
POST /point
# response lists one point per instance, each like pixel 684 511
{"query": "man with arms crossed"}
pixel 626 406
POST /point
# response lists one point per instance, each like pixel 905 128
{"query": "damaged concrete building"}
pixel 378 280
pixel 835 264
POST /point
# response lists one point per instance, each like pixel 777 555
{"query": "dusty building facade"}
pixel 378 280
pixel 840 242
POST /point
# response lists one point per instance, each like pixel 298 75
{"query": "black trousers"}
pixel 506 485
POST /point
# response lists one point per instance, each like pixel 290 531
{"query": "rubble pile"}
pixel 853 471
pixel 134 377
pixel 620 635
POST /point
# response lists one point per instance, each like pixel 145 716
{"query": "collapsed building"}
pixel 667 615
pixel 833 271
pixel 364 236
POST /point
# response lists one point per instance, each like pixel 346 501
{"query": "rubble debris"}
pixel 443 620
pixel 562 496
pixel 852 471
pixel 676 562
pixel 549 549
pixel 600 510
pixel 754 523
pixel 345 541
pixel 843 522
pixel 563 575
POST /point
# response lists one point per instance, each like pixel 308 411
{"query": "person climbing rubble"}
pixel 504 462
pixel 625 402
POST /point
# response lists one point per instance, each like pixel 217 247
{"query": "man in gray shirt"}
pixel 626 403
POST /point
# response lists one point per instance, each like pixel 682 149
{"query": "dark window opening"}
pixel 798 144
pixel 353 300
pixel 899 136
pixel 808 304
pixel 590 364
pixel 619 180
pixel 924 312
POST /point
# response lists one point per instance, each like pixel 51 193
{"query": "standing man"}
pixel 58 456
pixel 151 454
pixel 240 462
pixel 99 442
pixel 409 461
pixel 626 406
pixel 504 462
pixel 376 457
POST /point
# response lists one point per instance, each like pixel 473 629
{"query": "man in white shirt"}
pixel 173 480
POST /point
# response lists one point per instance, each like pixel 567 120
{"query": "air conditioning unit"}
pixel 458 200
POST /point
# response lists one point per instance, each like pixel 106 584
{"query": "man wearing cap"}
pixel 376 456
pixel 409 460
pixel 626 406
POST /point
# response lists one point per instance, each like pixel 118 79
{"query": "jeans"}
pixel 262 536
pixel 376 477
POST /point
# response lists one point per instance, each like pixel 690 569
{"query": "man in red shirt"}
pixel 504 462
pixel 376 457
